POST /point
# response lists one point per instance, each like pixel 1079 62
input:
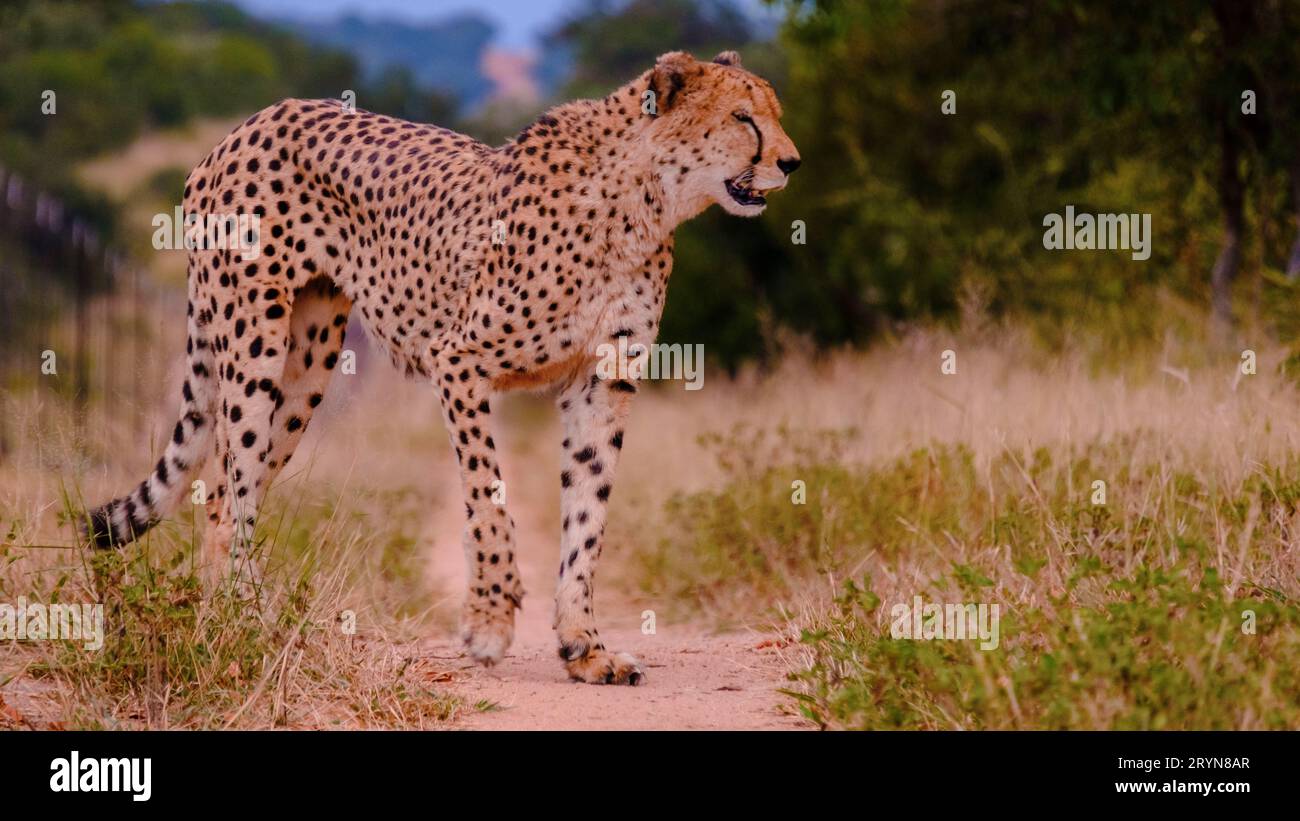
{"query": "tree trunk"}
pixel 1238 24
pixel 1293 261
pixel 1230 200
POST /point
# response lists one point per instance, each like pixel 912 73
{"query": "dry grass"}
pixel 119 173
pixel 976 487
pixel 367 519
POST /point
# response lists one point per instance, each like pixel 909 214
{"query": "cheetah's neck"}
pixel 599 147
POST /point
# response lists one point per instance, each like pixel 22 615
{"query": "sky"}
pixel 518 21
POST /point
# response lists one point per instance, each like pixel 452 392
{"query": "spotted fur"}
pixel 479 269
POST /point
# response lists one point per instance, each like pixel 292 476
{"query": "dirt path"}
pixel 695 679
pixel 693 682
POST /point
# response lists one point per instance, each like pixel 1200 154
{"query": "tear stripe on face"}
pixel 758 155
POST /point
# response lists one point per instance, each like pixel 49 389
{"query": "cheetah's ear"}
pixel 728 58
pixel 671 76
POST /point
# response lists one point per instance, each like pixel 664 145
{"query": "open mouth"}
pixel 742 193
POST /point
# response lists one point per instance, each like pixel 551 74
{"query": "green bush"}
pixel 1115 616
pixel 1164 652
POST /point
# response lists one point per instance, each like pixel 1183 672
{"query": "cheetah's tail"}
pixel 123 519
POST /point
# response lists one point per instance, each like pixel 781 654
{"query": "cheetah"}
pixel 478 269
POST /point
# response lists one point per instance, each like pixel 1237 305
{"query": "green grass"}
pixel 1164 652
pixel 1173 605
pixel 180 654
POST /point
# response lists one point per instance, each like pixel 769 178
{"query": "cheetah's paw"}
pixel 604 667
pixel 487 634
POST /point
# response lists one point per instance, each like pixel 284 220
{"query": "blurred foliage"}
pixel 907 210
pixel 611 42
pixel 1101 105
pixel 119 68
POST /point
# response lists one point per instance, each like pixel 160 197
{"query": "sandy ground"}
pixel 695 678
pixel 693 682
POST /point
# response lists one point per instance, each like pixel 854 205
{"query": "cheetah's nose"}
pixel 788 166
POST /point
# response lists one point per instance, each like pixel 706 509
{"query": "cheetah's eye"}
pixel 743 116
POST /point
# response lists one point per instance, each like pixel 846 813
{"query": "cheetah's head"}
pixel 717 134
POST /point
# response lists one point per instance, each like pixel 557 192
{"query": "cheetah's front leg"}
pixel 594 410
pixel 487 622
